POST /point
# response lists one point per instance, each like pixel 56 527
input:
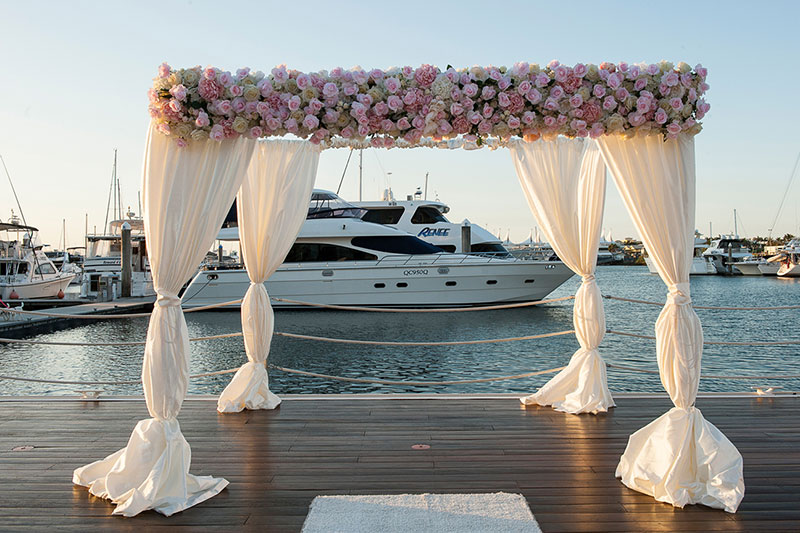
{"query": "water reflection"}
pixel 437 363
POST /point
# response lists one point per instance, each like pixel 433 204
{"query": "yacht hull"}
pixel 43 288
pixel 790 270
pixel 769 269
pixel 749 268
pixel 435 283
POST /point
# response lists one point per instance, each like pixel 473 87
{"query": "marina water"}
pixel 442 363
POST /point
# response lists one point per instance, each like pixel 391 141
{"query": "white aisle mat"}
pixel 429 513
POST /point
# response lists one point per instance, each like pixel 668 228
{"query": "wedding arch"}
pixel 210 140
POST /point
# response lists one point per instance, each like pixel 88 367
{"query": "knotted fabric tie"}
pixel 166 299
pixel 588 278
pixel 679 294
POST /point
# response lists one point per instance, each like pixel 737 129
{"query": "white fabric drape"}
pixel 187 192
pixel 679 458
pixel 565 184
pixel 272 206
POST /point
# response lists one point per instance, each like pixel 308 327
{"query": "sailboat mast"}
pixel 735 225
pixel 426 185
pixel 118 206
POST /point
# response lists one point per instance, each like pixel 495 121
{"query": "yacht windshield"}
pixel 329 205
pixel 427 215
pixel 400 244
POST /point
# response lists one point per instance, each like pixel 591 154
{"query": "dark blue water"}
pixel 434 363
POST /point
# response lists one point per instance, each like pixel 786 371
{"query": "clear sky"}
pixel 75 75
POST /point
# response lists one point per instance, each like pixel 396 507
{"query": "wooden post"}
pixel 466 237
pixel 126 260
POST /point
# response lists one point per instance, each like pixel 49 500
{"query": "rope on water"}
pixel 417 383
pixel 722 343
pixel 436 310
pixel 431 343
pixel 661 304
pixel 103 317
pixel 706 376
pixel 303 337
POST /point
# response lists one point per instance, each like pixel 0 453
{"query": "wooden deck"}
pixel 277 461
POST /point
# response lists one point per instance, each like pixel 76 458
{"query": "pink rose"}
pixel 455 94
pixel 238 105
pixel 634 72
pixel 225 79
pixel 217 133
pixel 236 90
pixel 597 130
pixel 349 89
pixel 551 104
pixel 202 120
pixel 456 109
pixel 418 122
pixel 621 93
pixel 381 108
pixel 410 97
pixel 376 74
pixel 580 70
pixel 210 90
pixel 673 128
pixel 394 102
pixel 461 125
pixel 534 96
pixel 303 81
pixel 591 112
pixel 495 74
pixel 504 83
pixel 513 122
pixel 273 123
pixel 291 125
pixel 557 92
pixel 643 104
pixel 242 73
pixel 407 71
pixel 392 84
pixel 444 128
pixel 164 71
pixel 524 87
pixel 622 66
pixel 471 90
pixel 329 90
pixel 503 100
pixel 542 80
pixel 346 132
pixel 640 84
pixel 528 117
pixel 181 142
pixel 315 105
pixel 360 77
pixel 425 75
pixel 484 127
pixel 701 71
pixel 609 103
pixel 670 79
pixel 224 106
pixel 561 73
pixel 614 80
pixel 676 104
pixel 175 106
pixel 598 91
pixel 660 116
pixel 636 119
pixel 576 100
pixel 488 111
pixel 364 99
pixel 474 117
pixel 653 69
pixel 488 92
pixel 577 125
pixel 179 92
pixel 549 121
pixel 403 124
pixel 363 130
pixel 163 128
pixel 256 132
pixel 331 116
pixel 387 125
pixel 336 73
pixel 294 103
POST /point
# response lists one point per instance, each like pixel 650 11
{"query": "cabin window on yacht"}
pixel 448 248
pixel 401 244
pixel 489 248
pixel 5 269
pixel 22 268
pixel 45 268
pixel 303 252
pixel 428 215
pixel 384 216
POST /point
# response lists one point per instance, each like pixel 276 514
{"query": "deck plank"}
pixel 278 461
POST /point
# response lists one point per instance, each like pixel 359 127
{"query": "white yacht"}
pixel 701 266
pixel 786 264
pixel 426 220
pixel 102 263
pixel 343 260
pixel 25 271
pixel 607 257
pixel 725 252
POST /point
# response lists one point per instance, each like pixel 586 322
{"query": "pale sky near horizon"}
pixel 75 76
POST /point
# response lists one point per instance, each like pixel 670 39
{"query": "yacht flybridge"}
pixel 725 252
pixel 340 259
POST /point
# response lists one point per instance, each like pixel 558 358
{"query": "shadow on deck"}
pixel 277 461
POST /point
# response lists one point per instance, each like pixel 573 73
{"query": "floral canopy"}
pixel 407 107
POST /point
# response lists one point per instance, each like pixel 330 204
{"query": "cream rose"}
pixel 240 125
pixel 251 93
